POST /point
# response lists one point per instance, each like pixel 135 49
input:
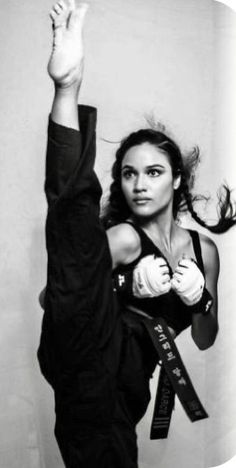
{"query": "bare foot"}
pixel 65 65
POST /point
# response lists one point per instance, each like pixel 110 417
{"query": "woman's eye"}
pixel 128 174
pixel 153 172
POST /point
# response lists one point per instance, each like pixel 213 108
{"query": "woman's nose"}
pixel 140 184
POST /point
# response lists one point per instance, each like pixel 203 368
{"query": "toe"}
pixel 62 4
pixel 53 15
pixel 57 8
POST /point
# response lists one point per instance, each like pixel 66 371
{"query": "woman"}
pixel 97 359
pixel 150 187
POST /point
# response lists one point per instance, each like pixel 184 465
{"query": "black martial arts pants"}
pixel 90 353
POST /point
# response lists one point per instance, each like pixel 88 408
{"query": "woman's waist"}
pixel 137 313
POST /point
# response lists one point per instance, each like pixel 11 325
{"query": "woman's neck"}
pixel 162 229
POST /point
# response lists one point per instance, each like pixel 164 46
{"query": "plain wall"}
pixel 175 60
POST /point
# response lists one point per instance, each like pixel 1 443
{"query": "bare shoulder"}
pixel 124 243
pixel 125 231
pixel 210 253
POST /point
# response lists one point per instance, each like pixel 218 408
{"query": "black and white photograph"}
pixel 118 234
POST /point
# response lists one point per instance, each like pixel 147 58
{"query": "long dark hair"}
pixel 116 210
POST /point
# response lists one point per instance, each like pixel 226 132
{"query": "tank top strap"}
pixel 138 229
pixel 147 245
pixel 197 249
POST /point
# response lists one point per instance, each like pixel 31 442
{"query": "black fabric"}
pixel 204 305
pixel 98 361
pixel 169 306
pixel 197 249
pixel 175 369
pixel 163 407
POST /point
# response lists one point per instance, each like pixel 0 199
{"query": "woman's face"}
pixel 147 181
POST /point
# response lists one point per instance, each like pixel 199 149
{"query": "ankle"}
pixel 68 89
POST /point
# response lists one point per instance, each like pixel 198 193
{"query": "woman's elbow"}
pixel 205 342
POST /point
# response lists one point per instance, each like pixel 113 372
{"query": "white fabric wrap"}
pixel 150 277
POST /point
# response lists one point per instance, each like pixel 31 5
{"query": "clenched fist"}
pixel 151 277
pixel 188 281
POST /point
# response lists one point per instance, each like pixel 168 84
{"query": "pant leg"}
pixel 92 419
pixel 82 332
pixel 137 364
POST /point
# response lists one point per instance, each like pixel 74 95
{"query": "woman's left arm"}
pixel 205 327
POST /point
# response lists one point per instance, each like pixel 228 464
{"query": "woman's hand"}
pixel 188 281
pixel 151 277
pixel 65 65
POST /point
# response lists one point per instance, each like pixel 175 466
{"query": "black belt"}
pixel 173 379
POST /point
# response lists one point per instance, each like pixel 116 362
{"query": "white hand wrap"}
pixel 188 281
pixel 151 277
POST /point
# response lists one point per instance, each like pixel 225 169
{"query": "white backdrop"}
pixel 175 59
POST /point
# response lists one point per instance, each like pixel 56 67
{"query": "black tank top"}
pixel 169 306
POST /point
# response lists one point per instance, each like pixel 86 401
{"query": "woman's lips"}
pixel 141 201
